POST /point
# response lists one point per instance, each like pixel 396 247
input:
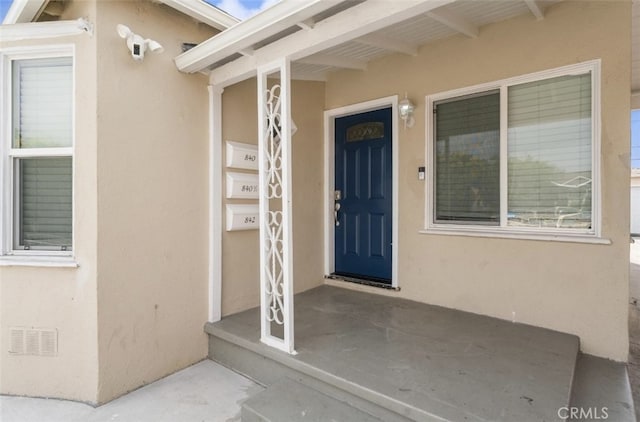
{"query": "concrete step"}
pixel 601 390
pixel 291 401
pixel 271 367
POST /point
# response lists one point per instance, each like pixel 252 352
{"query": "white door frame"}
pixel 329 183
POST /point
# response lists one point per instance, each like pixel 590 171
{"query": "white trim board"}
pixel 329 177
pixel 39 30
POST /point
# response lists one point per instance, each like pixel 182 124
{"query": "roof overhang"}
pixel 353 24
pixel 238 39
pixel 23 11
pixel 320 36
pixel 203 12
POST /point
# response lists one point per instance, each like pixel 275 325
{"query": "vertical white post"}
pixel 276 252
pixel 263 191
pixel 287 238
pixel 215 203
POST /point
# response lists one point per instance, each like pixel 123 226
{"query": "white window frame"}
pixel 9 255
pixel 592 235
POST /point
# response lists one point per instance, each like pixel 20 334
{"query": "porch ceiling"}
pixel 322 36
pixel 463 16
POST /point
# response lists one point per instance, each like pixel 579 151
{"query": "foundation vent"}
pixel 33 341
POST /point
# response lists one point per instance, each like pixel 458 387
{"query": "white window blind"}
pixel 42 180
pixel 467 159
pixel 43 100
pixel 549 153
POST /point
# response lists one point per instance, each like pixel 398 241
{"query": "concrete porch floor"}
pixel 433 362
pixel 204 392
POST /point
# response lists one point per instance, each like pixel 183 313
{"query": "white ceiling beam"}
pixel 247 52
pixel 269 22
pixel 55 9
pixel 535 8
pixel 455 22
pixel 313 77
pixel 334 61
pixel 307 24
pixel 386 43
pixel 203 12
pixel 305 76
pixel 353 23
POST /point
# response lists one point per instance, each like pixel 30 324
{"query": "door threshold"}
pixel 364 281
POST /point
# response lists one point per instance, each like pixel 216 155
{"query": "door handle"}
pixel 336 208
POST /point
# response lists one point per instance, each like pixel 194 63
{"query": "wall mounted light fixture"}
pixel 405 108
pixel 138 45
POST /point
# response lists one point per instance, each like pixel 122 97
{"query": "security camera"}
pixel 138 45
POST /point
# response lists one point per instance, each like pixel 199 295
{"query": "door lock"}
pixel 337 196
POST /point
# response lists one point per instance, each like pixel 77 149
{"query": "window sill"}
pixel 545 237
pixel 38 261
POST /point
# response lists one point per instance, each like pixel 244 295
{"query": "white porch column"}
pixel 276 253
pixel 215 203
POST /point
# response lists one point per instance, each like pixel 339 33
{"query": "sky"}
pixel 4 6
pixel 241 9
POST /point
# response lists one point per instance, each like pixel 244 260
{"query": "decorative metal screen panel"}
pixel 275 208
pixel 273 153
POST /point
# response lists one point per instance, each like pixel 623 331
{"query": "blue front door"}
pixel 363 172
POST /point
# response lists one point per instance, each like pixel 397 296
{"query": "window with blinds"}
pixel 41 154
pixel 518 157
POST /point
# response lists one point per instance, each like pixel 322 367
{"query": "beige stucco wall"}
pixel 61 298
pixel 575 288
pixel 635 101
pixel 152 200
pixel 240 253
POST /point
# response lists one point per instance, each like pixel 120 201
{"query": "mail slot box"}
pixel 242 185
pixel 242 217
pixel 242 156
